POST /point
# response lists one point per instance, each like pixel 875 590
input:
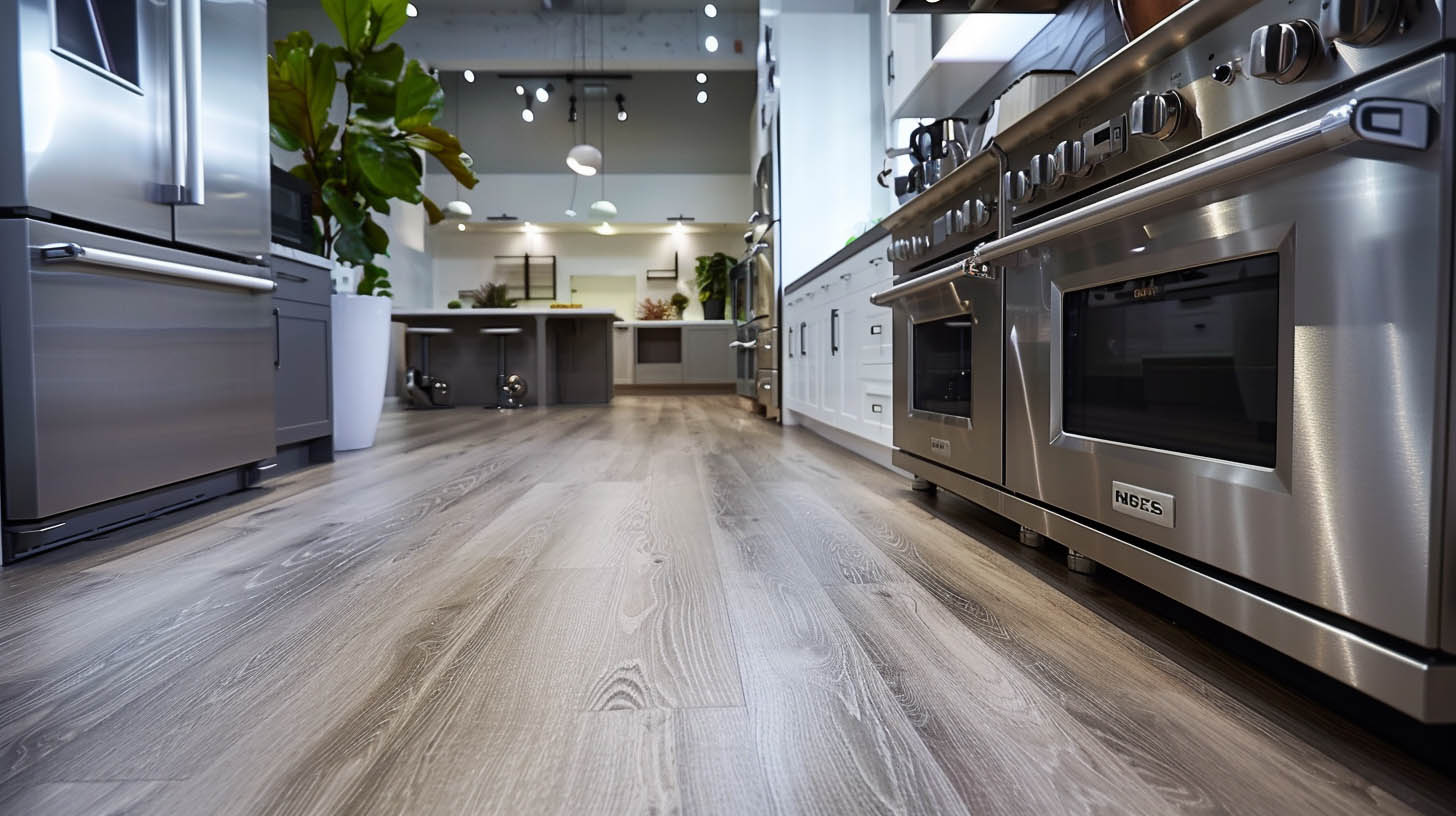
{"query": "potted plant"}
pixel 712 280
pixel 654 309
pixel 356 167
pixel 679 304
pixel 491 296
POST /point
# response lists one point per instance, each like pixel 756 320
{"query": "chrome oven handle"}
pixel 923 283
pixel 75 253
pixel 1393 122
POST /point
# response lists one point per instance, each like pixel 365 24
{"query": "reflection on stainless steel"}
pixel 137 376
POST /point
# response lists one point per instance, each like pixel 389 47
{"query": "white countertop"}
pixel 673 323
pixel 521 312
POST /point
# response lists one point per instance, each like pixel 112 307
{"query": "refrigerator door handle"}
pixel 75 253
pixel 186 104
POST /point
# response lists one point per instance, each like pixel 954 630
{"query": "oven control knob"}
pixel 1043 171
pixel 890 252
pixel 919 245
pixel 1019 188
pixel 1070 156
pixel 1155 116
pixel 977 213
pixel 958 219
pixel 1357 22
pixel 1283 51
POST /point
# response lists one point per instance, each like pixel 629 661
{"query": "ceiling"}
pixel 573 6
pixel 616 228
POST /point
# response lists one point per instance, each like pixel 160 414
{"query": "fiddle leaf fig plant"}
pixel 359 165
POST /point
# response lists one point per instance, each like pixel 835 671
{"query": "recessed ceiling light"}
pixel 410 10
pixel 711 43
pixel 712 10
pixel 702 78
pixel 702 97
pixel 469 75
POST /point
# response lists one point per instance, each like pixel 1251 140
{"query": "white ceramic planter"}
pixel 361 362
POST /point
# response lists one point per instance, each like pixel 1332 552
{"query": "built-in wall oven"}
pixel 1242 357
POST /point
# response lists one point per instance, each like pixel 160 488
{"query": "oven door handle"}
pixel 1393 122
pixel 925 283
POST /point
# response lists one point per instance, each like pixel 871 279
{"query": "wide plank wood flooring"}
pixel 663 605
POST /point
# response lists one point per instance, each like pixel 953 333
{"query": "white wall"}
pixel 466 260
pixel 826 148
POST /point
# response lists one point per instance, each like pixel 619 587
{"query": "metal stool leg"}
pixel 500 373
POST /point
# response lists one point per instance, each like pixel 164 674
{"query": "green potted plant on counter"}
pixel 712 281
pixel 679 303
pixel 357 166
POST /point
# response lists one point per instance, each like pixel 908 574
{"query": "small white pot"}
pixel 360 341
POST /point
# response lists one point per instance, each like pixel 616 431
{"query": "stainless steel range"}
pixel 1227 271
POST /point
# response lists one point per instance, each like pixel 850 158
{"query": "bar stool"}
pixel 509 390
pixel 421 389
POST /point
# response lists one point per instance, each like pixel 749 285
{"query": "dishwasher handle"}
pixel 1393 122
pixel 75 253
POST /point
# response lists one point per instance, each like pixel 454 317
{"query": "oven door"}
pixel 947 372
pixel 1243 359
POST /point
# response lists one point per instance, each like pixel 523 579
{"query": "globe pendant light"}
pixel 458 210
pixel 584 160
pixel 604 209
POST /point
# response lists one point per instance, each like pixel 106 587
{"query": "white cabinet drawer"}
pixel 875 407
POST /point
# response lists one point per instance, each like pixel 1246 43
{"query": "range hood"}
pixel 976 6
pixel 966 51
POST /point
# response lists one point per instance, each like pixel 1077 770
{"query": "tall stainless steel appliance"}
pixel 1227 262
pixel 135 324
pixel 753 299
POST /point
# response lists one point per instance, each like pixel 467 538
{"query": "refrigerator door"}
pixel 90 81
pixel 126 367
pixel 231 129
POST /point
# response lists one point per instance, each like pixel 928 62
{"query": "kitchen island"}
pixel 565 355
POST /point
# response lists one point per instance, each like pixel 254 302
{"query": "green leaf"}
pixel 284 138
pixel 376 236
pixel 389 16
pixel 385 63
pixel 418 98
pixel 432 210
pixel 350 246
pixel 342 205
pixel 377 96
pixel 351 18
pixel 321 87
pixel 389 165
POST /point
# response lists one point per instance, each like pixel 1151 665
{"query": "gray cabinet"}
pixel 303 389
pixel 301 393
pixel 706 355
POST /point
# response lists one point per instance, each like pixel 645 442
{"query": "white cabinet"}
pixel 623 349
pixel 837 358
pixel 909 54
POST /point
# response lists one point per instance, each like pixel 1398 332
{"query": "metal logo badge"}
pixel 1141 503
pixel 940 447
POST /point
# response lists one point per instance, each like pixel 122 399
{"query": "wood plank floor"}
pixel 662 605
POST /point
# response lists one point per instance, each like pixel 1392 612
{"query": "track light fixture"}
pixel 711 44
pixel 621 108
pixel 702 97
pixel 469 75
pixel 528 115
pixel 571 114
pixel 702 78
pixel 543 93
pixel 410 10
pixel 520 90
pixel 711 10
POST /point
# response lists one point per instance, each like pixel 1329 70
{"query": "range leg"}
pixel 1080 564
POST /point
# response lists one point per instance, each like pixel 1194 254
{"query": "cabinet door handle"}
pixel 801 338
pixel 833 332
pixel 290 276
pixel 277 340
pixel 877 329
pixel 876 408
pixel 791 341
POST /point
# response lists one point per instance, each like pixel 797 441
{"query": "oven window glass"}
pixel 1185 361
pixel 942 366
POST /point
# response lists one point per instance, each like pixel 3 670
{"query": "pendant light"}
pixel 459 209
pixel 583 159
pixel 602 208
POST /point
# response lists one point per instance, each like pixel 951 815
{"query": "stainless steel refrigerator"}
pixel 136 326
pixel 753 298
